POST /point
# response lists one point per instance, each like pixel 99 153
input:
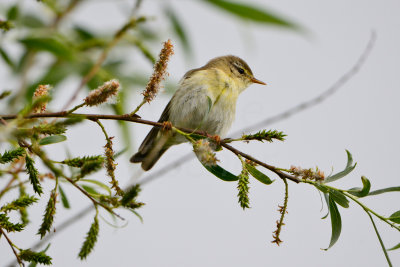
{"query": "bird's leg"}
pixel 167 126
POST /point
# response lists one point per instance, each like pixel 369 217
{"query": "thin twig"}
pixel 117 37
pixel 12 247
pixel 283 211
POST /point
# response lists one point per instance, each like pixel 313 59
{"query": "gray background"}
pixel 192 218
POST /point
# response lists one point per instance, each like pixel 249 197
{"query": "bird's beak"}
pixel 254 80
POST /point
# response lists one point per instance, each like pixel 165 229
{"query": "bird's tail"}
pixel 152 148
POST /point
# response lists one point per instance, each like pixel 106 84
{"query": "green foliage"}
pixel 35 257
pixel 336 222
pixel 91 239
pixel 130 195
pixel 361 192
pixel 33 174
pixel 265 135
pixel 9 226
pixel 21 202
pixel 64 199
pixel 252 13
pixel 258 175
pixel 9 156
pixel 53 45
pixel 6 25
pixel 80 161
pixel 52 140
pixel 221 173
pixel 48 216
pixel 5 93
pixel 243 188
pixel 395 217
pixel 349 168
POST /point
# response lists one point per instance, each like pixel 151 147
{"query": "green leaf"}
pixel 13 12
pixel 384 190
pixel 91 190
pixel 361 192
pixel 7 59
pixel 48 44
pixel 52 140
pixel 326 197
pixel 395 217
pixel 346 170
pixel 258 175
pixel 252 13
pixel 64 199
pixel 395 247
pixel 98 183
pixel 178 29
pixel 32 21
pixel 221 173
pixel 339 198
pixel 336 222
pixel 322 188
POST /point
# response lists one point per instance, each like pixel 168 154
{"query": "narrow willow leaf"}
pixel 326 197
pixel 91 190
pixel 52 140
pixel 48 44
pixel 259 175
pixel 384 190
pixel 346 170
pixel 7 59
pixel 395 217
pixel 91 239
pixel 4 94
pixel 98 183
pixel 252 13
pixel 13 12
pixel 395 247
pixel 336 222
pixel 322 188
pixel 33 174
pixel 179 29
pixel 339 198
pixel 221 173
pixel 361 192
pixel 64 199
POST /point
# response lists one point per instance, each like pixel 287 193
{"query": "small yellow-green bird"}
pixel 205 100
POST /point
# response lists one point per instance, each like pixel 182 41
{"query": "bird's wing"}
pixel 149 142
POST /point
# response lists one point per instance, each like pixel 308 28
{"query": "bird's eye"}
pixel 240 70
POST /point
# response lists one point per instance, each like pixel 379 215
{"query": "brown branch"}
pixel 128 117
pixel 12 247
pixel 265 165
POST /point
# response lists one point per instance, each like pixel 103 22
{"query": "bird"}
pixel 205 101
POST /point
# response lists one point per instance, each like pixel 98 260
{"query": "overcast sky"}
pixel 191 218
